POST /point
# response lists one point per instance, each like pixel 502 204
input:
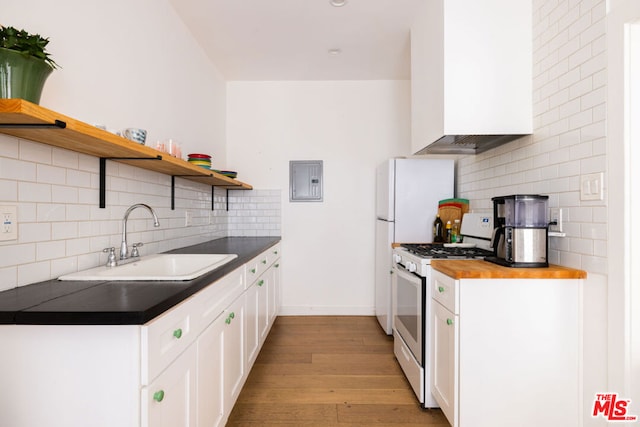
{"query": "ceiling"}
pixel 291 39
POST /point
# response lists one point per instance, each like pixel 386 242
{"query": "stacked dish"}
pixel 230 174
pixel 202 160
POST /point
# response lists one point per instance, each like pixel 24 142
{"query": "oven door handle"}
pixel 407 275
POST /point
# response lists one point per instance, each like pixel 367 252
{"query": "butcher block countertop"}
pixel 478 269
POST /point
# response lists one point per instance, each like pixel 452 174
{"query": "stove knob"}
pixel 411 267
pixel 397 258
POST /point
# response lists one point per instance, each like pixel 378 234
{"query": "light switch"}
pixel 591 186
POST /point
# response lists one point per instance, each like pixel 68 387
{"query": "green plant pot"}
pixel 22 77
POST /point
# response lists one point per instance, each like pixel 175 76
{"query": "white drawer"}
pixel 275 252
pixel 444 289
pixel 262 262
pixel 217 296
pixel 165 337
pixel 413 371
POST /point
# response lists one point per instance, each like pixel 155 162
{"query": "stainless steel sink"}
pixel 157 267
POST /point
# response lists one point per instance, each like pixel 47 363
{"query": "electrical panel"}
pixel 305 180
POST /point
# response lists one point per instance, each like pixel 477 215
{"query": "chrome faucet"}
pixel 124 250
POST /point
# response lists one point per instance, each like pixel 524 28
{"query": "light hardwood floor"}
pixel 329 371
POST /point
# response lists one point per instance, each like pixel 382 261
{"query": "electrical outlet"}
pixel 9 223
pixel 555 217
pixel 188 219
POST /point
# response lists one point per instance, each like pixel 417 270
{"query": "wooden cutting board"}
pixel 452 209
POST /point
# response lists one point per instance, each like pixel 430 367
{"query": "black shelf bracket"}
pixel 56 124
pixel 103 174
pixel 173 190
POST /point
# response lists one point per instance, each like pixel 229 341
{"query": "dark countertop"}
pixel 57 302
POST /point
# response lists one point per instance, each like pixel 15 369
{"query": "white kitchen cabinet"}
pixel 275 292
pixel 506 351
pixel 444 355
pixel 471 69
pixel 233 353
pixel 221 367
pixel 184 368
pixel 263 300
pixel 170 400
pixel 211 374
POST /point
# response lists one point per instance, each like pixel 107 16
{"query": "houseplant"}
pixel 25 64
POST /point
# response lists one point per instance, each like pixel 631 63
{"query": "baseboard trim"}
pixel 325 311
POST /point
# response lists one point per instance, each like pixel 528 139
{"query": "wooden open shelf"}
pixel 87 139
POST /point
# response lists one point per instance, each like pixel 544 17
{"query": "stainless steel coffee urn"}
pixel 520 237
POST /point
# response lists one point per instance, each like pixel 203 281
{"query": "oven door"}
pixel 408 312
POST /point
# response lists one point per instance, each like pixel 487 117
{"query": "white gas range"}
pixel 411 296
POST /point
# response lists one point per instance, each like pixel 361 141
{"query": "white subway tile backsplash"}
pixel 8 278
pixel 33 231
pixel 569 139
pixel 34 272
pixel 50 212
pixel 64 194
pixel 17 169
pixel 64 158
pixel 581 119
pixel 13 255
pixel 580 88
pixel 35 152
pixel 50 174
pixel 62 229
pixel 579 57
pixel 9 147
pixel 8 190
pixel 49 250
pixel 32 192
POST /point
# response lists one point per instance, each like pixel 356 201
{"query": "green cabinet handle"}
pixel 440 289
pixel 264 261
pixel 158 396
pixel 275 252
pixel 229 317
pixel 277 265
pixel 261 282
pixel 449 322
pixel 177 333
pixel 253 270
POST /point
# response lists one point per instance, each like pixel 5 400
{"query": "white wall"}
pixel 351 126
pixel 569 139
pixel 128 63
pixel 124 63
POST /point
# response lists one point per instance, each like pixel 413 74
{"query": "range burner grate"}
pixel 435 250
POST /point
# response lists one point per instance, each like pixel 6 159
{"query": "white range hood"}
pixel 471 75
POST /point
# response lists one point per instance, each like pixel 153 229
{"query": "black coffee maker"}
pixel 521 226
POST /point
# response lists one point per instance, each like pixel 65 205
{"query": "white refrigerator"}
pixel 407 196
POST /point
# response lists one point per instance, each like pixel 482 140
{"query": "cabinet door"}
pixel 444 360
pixel 233 352
pixel 274 291
pixel 211 375
pixel 170 400
pixel 263 284
pixel 252 337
